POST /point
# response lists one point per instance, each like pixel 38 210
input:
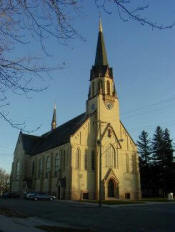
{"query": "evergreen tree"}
pixel 144 149
pixel 168 148
pixel 162 151
pixel 169 176
pixel 158 146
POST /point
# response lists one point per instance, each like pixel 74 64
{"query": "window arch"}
pixel 108 87
pixel 110 157
pixel 78 159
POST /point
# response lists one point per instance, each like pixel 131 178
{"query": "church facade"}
pixel 91 156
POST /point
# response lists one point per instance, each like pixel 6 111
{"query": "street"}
pixel 157 217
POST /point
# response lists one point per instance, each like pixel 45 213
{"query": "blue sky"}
pixel 143 62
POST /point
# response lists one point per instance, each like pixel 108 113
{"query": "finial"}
pixel 100 25
pixel 53 123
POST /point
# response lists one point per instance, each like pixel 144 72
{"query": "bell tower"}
pixel 102 97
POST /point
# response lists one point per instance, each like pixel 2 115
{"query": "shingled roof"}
pixel 59 136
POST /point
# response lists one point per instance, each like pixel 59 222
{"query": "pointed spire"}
pixel 100 25
pixel 54 124
pixel 101 56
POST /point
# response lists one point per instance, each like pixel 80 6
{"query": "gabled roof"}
pixel 28 142
pixel 59 136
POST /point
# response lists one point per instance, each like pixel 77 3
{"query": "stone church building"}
pixel 91 155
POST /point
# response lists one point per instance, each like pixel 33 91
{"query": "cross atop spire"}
pixel 101 56
pixel 54 124
pixel 100 25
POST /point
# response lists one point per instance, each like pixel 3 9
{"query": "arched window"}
pixel 17 169
pixel 63 159
pixel 134 163
pixel 127 163
pixel 48 165
pixel 85 160
pixel 110 157
pixel 93 160
pixel 108 87
pixel 78 159
pixel 57 164
pixel 40 167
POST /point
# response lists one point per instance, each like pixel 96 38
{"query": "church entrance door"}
pixel 111 188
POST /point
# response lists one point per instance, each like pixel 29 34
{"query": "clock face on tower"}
pixel 109 105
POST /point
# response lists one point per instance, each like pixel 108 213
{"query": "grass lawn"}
pixel 125 202
pixel 156 200
pixel 114 202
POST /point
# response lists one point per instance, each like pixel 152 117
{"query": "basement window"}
pixel 85 196
pixel 127 196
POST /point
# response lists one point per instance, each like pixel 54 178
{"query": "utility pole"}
pixel 100 166
pixel 100 152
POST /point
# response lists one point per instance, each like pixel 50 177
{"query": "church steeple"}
pixel 101 55
pixel 101 75
pixel 54 124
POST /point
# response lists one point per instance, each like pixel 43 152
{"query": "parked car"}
pixel 41 196
pixel 10 195
pixel 29 194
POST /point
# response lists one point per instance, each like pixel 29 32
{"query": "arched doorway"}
pixel 111 188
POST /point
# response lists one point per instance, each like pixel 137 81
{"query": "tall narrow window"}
pixel 63 159
pixel 108 87
pixel 110 157
pixel 99 86
pixel 93 160
pixel 127 163
pixel 40 167
pixel 85 160
pixel 78 159
pixel 33 167
pixel 134 163
pixel 57 164
pixel 93 88
pixel 17 169
pixel 48 166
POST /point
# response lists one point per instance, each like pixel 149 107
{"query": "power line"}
pixel 163 101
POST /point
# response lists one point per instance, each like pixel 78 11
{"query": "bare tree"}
pixel 129 10
pixel 22 21
pixel 4 181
